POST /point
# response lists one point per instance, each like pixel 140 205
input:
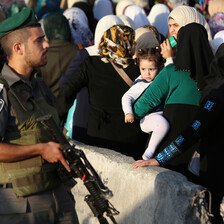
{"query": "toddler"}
pixel 150 63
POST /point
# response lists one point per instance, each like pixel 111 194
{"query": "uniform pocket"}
pixel 10 204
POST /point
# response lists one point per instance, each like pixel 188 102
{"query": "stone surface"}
pixel 142 196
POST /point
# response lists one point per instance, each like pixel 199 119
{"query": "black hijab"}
pixel 216 72
pixel 194 53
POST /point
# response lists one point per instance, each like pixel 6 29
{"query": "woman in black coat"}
pixel 106 126
pixel 207 128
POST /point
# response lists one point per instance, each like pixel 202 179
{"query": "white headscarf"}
pixel 143 3
pixel 102 8
pixel 218 39
pixel 78 23
pixel 144 39
pixel 176 3
pixel 158 17
pixel 103 24
pixel 184 15
pixel 121 5
pixel 137 14
pixel 128 21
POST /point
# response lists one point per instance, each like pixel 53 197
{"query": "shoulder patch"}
pixel 1 104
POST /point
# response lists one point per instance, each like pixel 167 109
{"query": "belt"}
pixel 9 185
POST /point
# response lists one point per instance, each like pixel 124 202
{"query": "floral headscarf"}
pixel 117 44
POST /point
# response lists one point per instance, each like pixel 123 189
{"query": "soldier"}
pixel 30 189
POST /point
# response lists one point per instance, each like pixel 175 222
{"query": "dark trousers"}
pixel 50 207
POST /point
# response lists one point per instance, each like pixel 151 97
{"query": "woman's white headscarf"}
pixel 102 8
pixel 176 3
pixel 128 21
pixel 137 14
pixel 122 5
pixel 218 39
pixel 184 15
pixel 158 16
pixel 103 24
pixel 78 23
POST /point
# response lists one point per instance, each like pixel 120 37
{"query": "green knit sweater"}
pixel 169 87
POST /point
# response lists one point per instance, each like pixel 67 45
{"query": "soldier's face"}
pixel 36 48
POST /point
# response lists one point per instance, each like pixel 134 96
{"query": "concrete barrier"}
pixel 146 195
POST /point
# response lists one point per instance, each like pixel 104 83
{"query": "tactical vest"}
pixel 31 175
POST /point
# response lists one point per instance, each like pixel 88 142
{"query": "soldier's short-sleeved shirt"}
pixel 8 119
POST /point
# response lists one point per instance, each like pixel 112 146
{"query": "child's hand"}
pixel 129 118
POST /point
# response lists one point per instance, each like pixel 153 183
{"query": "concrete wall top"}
pixel 144 195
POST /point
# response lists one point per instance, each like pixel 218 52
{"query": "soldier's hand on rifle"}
pixel 51 152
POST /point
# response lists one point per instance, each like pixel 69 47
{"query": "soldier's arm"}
pixel 50 151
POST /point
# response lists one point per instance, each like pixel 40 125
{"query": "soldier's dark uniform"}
pixel 30 190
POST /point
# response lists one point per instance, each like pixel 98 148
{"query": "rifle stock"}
pixel 81 168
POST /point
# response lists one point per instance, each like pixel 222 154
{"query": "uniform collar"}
pixel 12 77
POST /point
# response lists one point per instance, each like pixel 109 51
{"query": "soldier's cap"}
pixel 24 18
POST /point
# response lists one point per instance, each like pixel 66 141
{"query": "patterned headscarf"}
pixel 117 44
pixel 216 23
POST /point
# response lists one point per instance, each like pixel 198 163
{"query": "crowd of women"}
pixel 120 84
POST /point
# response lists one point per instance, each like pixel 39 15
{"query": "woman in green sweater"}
pixel 176 87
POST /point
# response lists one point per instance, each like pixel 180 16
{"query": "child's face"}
pixel 148 69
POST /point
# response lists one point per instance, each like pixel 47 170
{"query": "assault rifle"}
pixel 98 199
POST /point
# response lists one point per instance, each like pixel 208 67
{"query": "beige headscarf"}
pixel 184 15
pixel 215 6
pixel 144 39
